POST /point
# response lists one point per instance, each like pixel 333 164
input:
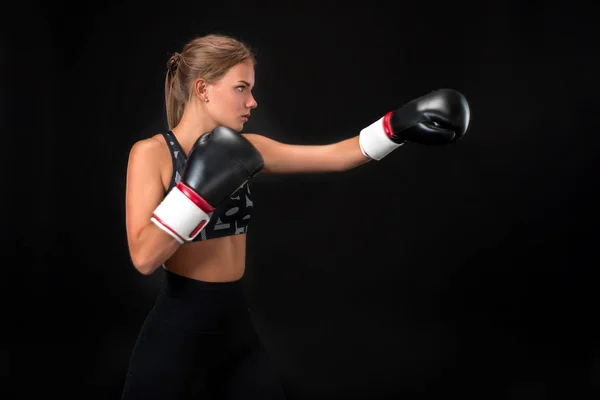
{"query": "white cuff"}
pixel 374 143
pixel 180 216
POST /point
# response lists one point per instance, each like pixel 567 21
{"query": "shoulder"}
pixel 152 146
pixel 152 152
pixel 151 156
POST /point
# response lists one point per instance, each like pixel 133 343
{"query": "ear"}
pixel 200 87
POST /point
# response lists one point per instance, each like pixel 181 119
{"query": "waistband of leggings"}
pixel 178 285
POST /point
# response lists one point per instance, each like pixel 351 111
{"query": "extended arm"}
pixel 281 158
pixel 440 117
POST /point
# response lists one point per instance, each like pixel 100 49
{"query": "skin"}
pixel 230 102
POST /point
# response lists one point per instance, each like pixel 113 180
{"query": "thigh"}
pixel 168 362
pixel 252 376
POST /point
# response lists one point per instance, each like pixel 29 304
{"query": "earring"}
pixel 206 99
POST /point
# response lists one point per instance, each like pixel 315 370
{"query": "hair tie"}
pixel 174 62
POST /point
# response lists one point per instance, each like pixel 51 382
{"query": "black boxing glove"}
pixel 220 162
pixel 440 117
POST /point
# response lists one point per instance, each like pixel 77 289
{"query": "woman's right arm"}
pixel 149 246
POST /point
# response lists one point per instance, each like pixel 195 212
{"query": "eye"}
pixel 240 88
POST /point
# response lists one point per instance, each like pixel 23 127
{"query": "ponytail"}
pixel 174 95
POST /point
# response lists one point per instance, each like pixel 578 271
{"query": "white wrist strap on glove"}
pixel 182 214
pixel 374 140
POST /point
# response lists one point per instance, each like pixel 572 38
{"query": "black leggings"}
pixel 199 342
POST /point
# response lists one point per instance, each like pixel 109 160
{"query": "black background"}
pixel 461 271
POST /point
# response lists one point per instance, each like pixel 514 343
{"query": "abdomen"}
pixel 217 260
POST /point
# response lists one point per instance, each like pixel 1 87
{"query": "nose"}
pixel 251 102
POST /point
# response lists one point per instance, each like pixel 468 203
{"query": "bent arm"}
pixel 281 158
pixel 149 246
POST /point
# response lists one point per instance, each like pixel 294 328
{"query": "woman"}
pixel 199 338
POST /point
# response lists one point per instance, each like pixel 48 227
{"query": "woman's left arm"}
pixel 281 158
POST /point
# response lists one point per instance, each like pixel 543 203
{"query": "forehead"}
pixel 243 71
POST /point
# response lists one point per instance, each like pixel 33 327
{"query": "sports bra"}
pixel 231 217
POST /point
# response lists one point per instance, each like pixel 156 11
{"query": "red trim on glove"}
pixel 387 125
pixel 168 227
pixel 200 225
pixel 195 198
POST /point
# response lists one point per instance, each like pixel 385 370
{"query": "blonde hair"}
pixel 208 57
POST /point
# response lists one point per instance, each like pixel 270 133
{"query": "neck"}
pixel 194 123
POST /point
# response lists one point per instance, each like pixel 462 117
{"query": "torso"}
pixel 217 260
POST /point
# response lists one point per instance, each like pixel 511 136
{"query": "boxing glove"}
pixel 440 117
pixel 220 162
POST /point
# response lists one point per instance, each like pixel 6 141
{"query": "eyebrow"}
pixel 244 82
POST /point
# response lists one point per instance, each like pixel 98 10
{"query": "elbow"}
pixel 143 265
pixel 145 269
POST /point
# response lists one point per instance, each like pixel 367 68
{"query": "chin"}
pixel 235 127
